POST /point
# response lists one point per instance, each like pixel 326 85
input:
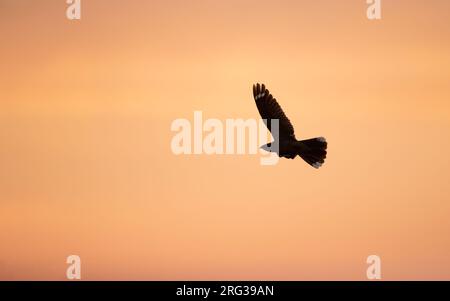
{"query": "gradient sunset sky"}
pixel 86 166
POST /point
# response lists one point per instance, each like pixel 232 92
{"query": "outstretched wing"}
pixel 269 108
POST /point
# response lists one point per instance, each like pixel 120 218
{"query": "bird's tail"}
pixel 313 151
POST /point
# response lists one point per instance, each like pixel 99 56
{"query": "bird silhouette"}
pixel 313 151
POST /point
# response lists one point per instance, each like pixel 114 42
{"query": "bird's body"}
pixel 286 148
pixel 313 151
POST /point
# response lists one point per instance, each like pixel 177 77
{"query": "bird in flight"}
pixel 313 151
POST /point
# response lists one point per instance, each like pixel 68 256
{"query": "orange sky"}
pixel 86 166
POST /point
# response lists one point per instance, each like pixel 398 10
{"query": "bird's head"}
pixel 267 147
